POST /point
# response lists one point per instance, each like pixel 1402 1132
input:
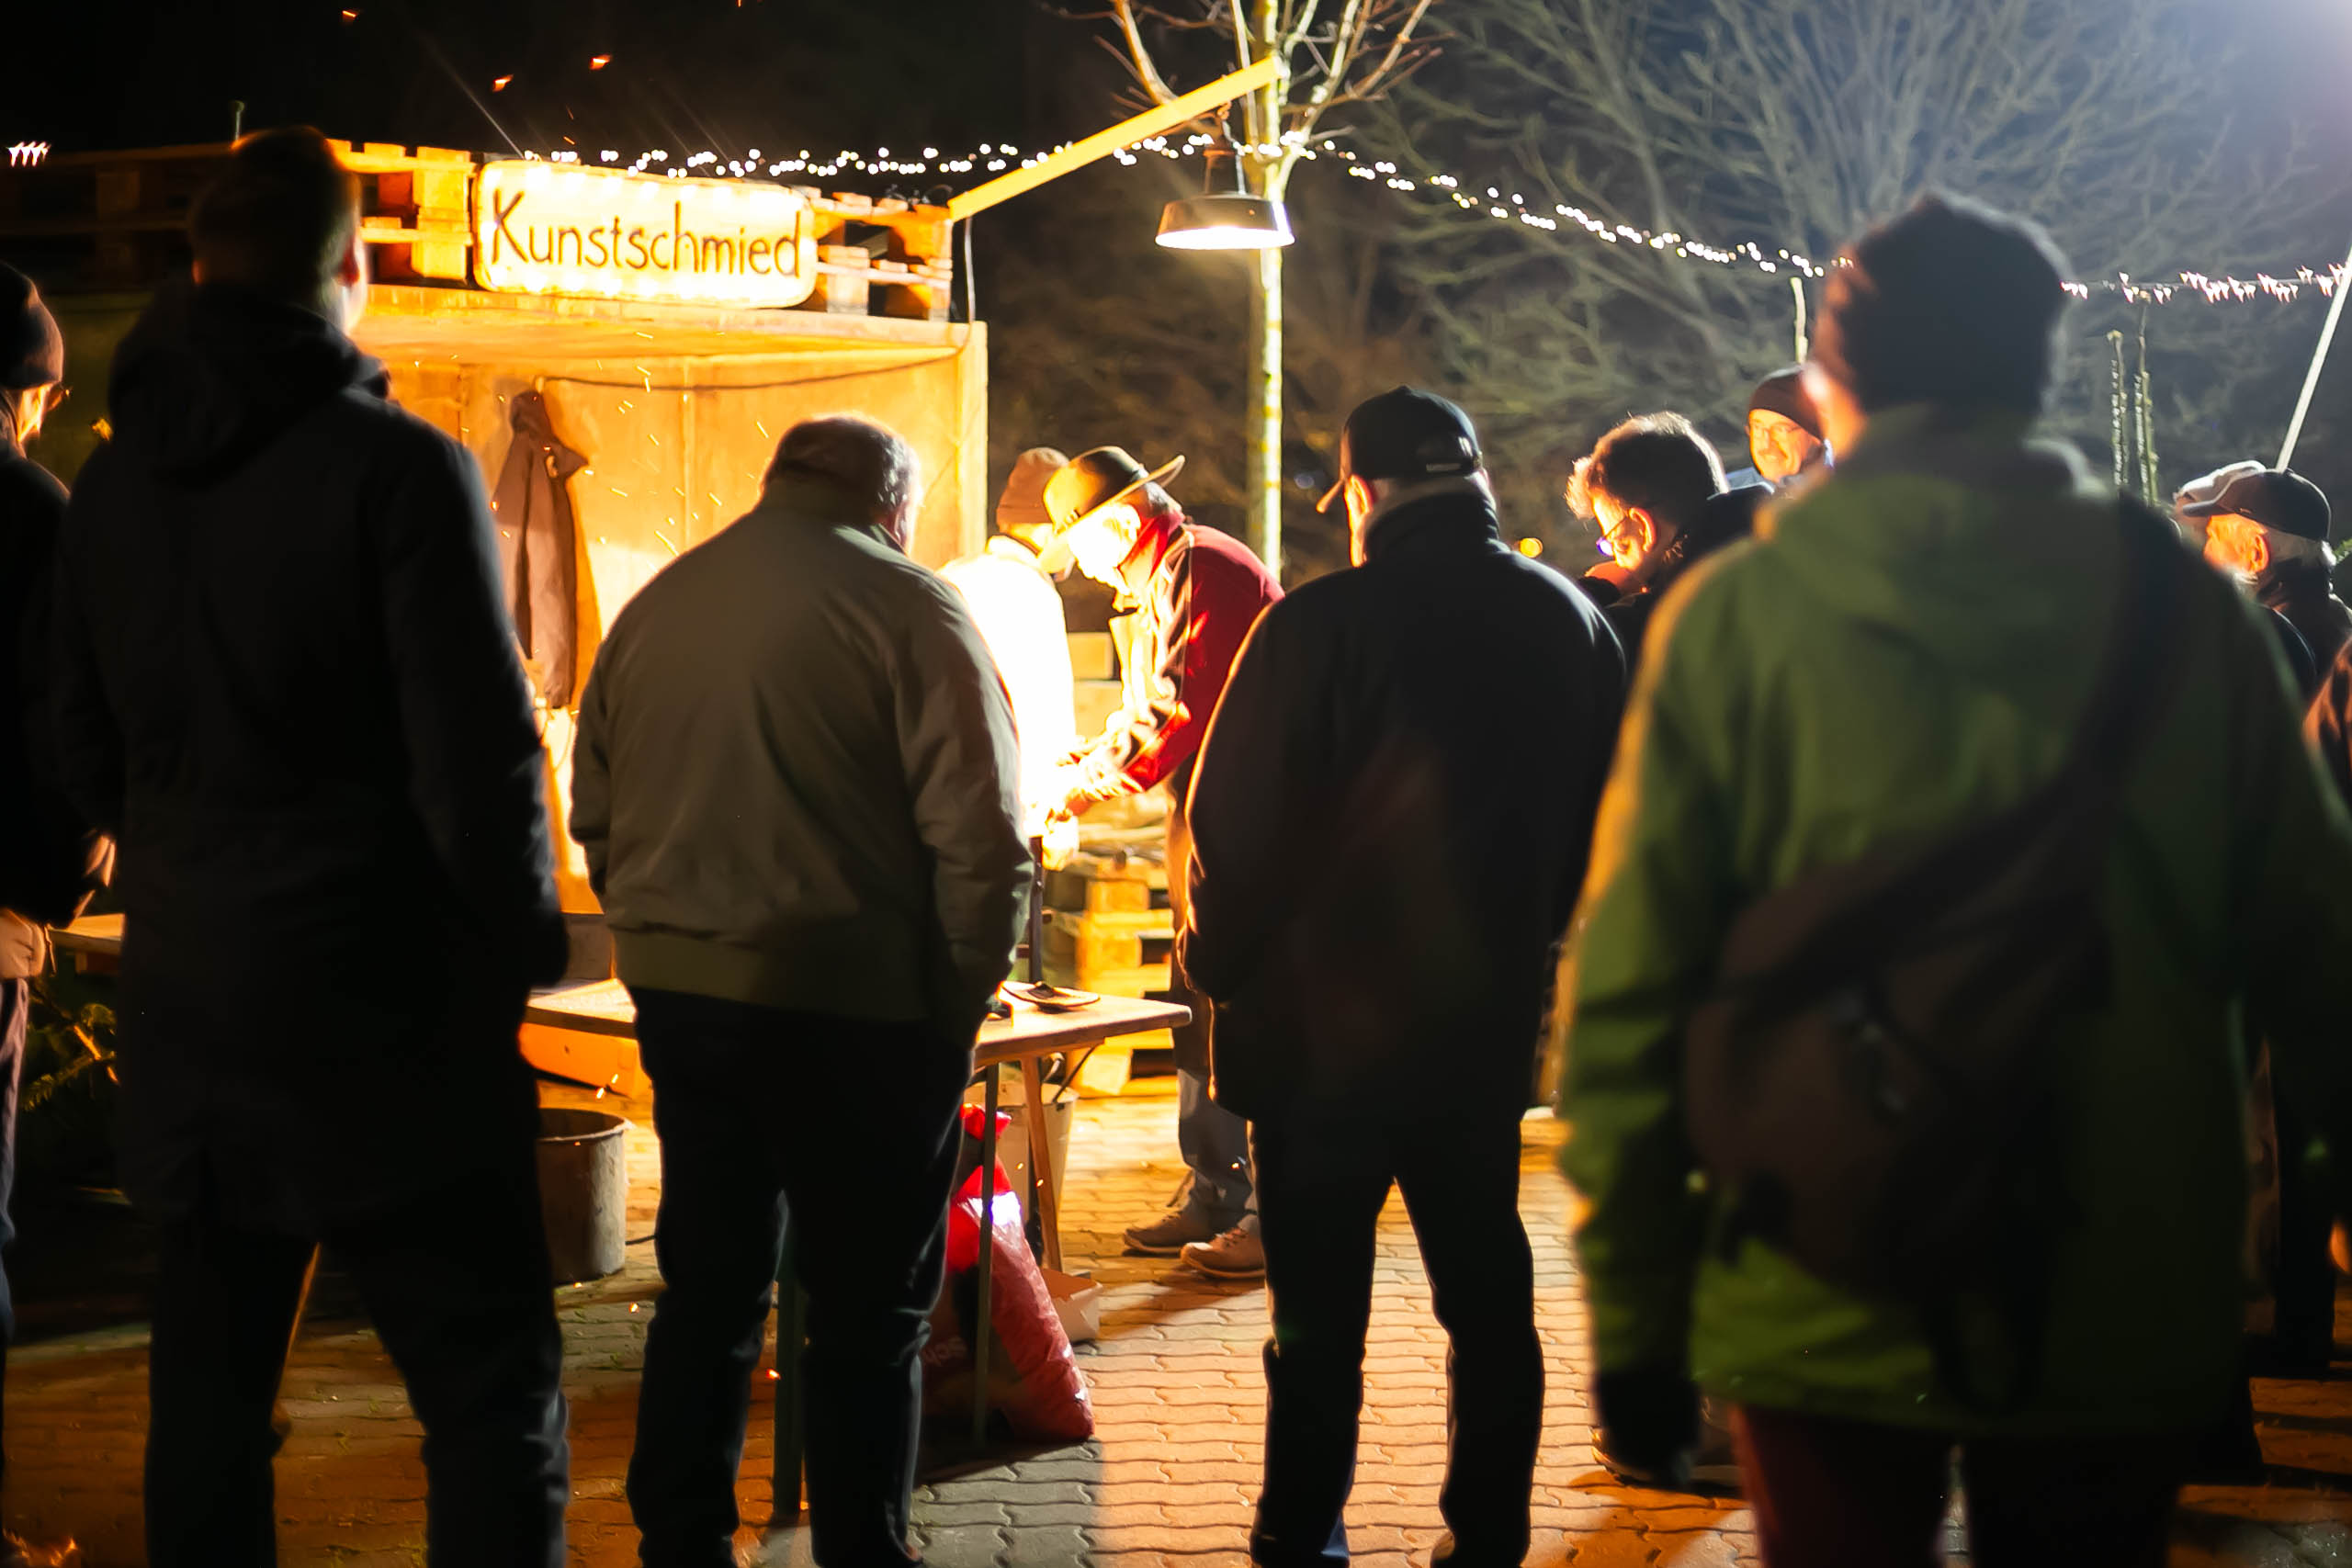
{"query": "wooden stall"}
pixel 675 328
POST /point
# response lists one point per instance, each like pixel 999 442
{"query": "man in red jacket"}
pixel 1195 593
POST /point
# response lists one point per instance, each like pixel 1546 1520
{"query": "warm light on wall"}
pixel 542 228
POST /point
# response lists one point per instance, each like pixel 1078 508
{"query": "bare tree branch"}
pixel 1139 53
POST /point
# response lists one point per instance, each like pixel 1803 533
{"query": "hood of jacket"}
pixel 1944 530
pixel 211 374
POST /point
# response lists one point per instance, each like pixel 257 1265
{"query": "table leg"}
pixel 1041 1158
pixel 791 1429
pixel 984 1315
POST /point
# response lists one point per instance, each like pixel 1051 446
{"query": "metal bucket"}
pixel 584 1192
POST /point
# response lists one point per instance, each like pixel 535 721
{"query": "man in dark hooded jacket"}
pixel 286 683
pixel 1389 828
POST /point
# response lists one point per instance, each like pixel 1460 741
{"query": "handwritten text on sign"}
pixel 555 229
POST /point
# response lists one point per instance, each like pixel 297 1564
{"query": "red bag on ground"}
pixel 1033 1376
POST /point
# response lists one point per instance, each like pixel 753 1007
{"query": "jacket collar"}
pixel 1986 448
pixel 2288 583
pixel 1728 515
pixel 806 498
pixel 1158 537
pixel 1444 514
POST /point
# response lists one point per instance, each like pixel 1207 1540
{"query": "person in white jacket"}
pixel 1019 613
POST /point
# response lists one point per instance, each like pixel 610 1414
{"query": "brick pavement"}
pixel 1166 1483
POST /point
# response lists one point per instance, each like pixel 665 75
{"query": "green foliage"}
pixel 65 1105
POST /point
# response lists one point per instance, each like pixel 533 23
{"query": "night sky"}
pixel 686 75
pixel 782 75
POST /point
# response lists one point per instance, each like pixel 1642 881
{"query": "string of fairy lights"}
pixel 1496 204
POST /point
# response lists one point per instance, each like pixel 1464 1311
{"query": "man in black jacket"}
pixel 1656 488
pixel 1390 823
pixel 286 683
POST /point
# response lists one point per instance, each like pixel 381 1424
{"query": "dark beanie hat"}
pixel 1951 303
pixel 1782 392
pixel 32 350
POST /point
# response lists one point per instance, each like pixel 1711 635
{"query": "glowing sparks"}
pixel 499 84
pixel 26 155
pixel 598 61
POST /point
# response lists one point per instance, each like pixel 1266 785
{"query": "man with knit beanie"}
pixel 48 858
pixel 1784 434
pixel 1020 615
pixel 1912 645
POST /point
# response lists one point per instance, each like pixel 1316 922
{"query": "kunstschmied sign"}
pixel 562 229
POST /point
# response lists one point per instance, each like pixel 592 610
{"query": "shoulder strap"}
pixel 1843 918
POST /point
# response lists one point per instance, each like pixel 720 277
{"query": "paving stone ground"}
pixel 1168 1481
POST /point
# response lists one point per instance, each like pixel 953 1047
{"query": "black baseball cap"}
pixel 2276 498
pixel 1405 434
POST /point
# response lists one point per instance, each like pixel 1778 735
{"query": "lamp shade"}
pixel 1228 222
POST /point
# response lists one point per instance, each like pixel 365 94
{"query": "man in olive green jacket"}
pixel 796 782
pixel 1908 645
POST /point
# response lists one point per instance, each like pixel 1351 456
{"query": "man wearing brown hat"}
pixel 1019 618
pixel 1784 433
pixel 1195 593
pixel 2268 529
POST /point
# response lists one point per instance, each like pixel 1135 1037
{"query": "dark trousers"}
pixel 2304 1327
pixel 15 1001
pixel 1854 1495
pixel 458 1284
pixel 850 1127
pixel 1212 1141
pixel 1321 1183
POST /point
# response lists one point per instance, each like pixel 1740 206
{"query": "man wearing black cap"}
pixel 1390 826
pixel 47 856
pixel 1195 593
pixel 2268 529
pixel 1784 432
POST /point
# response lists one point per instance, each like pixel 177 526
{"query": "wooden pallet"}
pixel 119 220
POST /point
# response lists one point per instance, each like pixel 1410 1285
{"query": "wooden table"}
pixel 603 1007
pixel 92 936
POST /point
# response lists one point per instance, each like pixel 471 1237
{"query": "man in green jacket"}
pixel 797 784
pixel 1907 646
